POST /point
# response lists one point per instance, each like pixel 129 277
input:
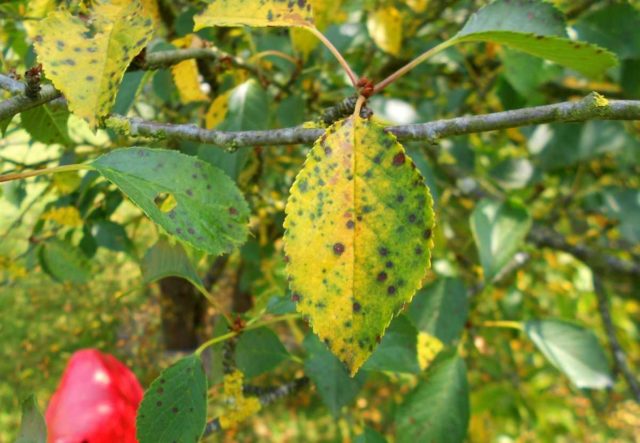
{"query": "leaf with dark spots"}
pixel 199 215
pixel 255 13
pixel 365 258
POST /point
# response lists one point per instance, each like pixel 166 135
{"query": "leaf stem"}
pixel 412 64
pixel 44 171
pixel 502 324
pixel 352 76
pixel 213 301
pixel 273 52
pixel 232 334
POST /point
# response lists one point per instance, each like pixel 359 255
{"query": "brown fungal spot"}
pixel 158 403
pixel 295 297
pixel 418 250
pixel 391 290
pixel 389 264
pixel 382 276
pixel 398 159
pixel 356 307
pixel 338 248
pixel 412 218
pixel 90 78
pixel 189 192
pixel 160 390
pixel 426 234
pixel 350 224
pixel 327 150
pixel 383 251
pixel 174 410
pixel 233 211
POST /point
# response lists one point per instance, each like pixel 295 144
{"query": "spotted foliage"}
pixel 174 408
pixel 209 212
pixel 86 58
pixel 255 13
pixel 358 236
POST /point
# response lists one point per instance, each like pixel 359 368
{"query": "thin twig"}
pixel 617 352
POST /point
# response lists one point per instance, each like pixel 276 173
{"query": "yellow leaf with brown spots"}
pixel 217 111
pixel 86 58
pixel 255 13
pixel 358 236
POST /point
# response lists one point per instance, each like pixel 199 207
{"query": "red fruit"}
pixel 96 401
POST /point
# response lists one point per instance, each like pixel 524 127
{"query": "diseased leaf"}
pixel 209 213
pixel 385 28
pixel 186 76
pixel 86 59
pixel 33 428
pixel 437 410
pixel 572 349
pixel 255 13
pixel 174 408
pixel 535 27
pixel 217 110
pixel 358 236
pixel 324 13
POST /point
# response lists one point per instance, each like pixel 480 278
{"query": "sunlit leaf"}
pixel 572 349
pixel 86 61
pixel 258 351
pixel 186 76
pixel 385 28
pixel 537 28
pixel 217 111
pixel 358 236
pixel 255 13
pixel 174 408
pixel 210 213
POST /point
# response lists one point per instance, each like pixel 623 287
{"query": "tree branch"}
pixel 19 103
pixel 617 352
pixel 589 108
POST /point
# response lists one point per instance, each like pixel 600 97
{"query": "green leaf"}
pixel 47 124
pixel 437 410
pixel 441 309
pixel 498 230
pixel 33 428
pixel 168 260
pixel 247 110
pixel 334 385
pixel 370 436
pixel 255 13
pixel 64 261
pixel 397 351
pixel 86 58
pixel 624 205
pixel 174 408
pixel 537 28
pixel 259 351
pixel 572 349
pixel 591 139
pixel 614 27
pixel 209 212
pixel 113 236
pixel 358 236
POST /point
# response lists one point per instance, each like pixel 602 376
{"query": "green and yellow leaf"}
pixel 358 236
pixel 86 59
pixel 255 13
pixel 185 74
pixel 217 111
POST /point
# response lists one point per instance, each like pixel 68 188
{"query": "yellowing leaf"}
pixel 428 348
pixel 385 27
pixel 185 76
pixel 217 111
pixel 324 12
pixel 418 5
pixel 150 7
pixel 37 9
pixel 86 60
pixel 358 236
pixel 66 216
pixel 255 13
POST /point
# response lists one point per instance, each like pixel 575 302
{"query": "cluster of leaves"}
pixel 359 219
